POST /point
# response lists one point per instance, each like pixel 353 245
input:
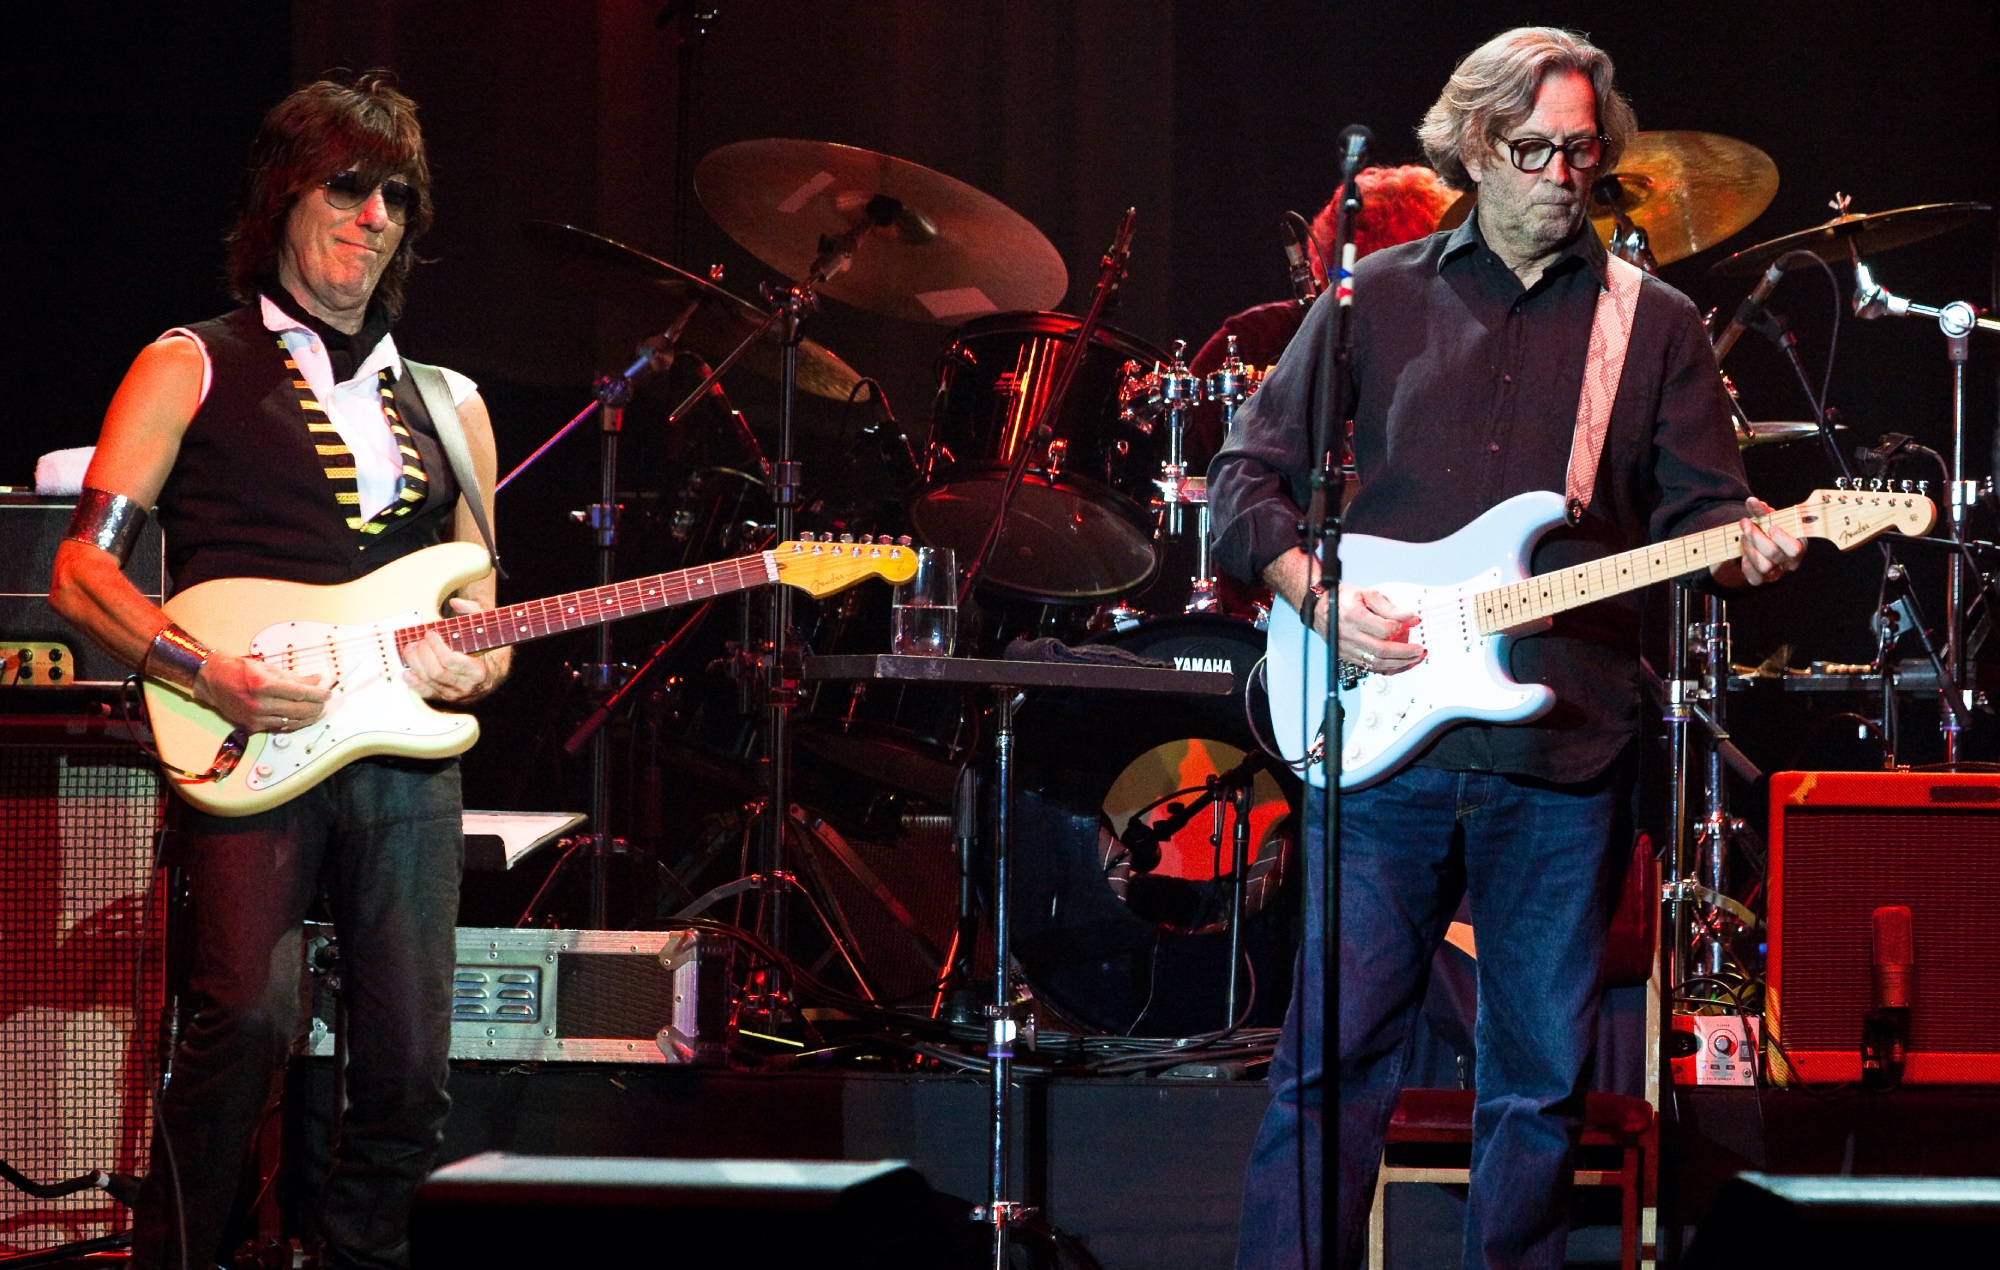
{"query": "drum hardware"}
pixel 1956 321
pixel 1165 395
pixel 1079 528
pixel 721 323
pixel 1111 272
pixel 923 246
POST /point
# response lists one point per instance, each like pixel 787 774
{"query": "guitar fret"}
pixel 1545 595
pixel 550 615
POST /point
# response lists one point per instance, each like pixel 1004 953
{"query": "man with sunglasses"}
pixel 1470 349
pixel 289 439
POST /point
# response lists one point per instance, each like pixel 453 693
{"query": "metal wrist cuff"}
pixel 175 658
pixel 110 522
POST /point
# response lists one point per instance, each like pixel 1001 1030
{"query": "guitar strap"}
pixel 1610 336
pixel 436 395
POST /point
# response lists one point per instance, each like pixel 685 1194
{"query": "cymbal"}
pixel 1877 231
pixel 930 249
pixel 720 322
pixel 1687 190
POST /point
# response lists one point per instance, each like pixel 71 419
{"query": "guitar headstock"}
pixel 1850 517
pixel 824 568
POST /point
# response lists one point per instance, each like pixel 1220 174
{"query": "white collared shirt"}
pixel 353 406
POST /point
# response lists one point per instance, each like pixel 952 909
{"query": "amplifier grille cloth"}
pixel 1840 864
pixel 76 838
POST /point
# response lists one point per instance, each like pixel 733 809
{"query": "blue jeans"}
pixel 385 838
pixel 1532 859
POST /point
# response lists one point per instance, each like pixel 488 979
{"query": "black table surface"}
pixel 994 672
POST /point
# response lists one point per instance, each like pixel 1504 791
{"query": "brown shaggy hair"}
pixel 1494 89
pixel 343 121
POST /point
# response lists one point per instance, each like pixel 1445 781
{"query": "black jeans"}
pixel 385 837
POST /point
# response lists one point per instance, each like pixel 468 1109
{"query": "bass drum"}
pixel 1080 528
pixel 1121 894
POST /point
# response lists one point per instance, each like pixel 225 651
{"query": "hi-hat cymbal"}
pixel 1877 231
pixel 930 248
pixel 1687 190
pixel 663 292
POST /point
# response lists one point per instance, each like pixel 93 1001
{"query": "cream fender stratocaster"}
pixel 353 635
pixel 1474 598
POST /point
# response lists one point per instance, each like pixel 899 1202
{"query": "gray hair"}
pixel 1494 89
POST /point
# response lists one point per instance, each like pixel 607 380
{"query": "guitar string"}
pixel 1790 519
pixel 749 572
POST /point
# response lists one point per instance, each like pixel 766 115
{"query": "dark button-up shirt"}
pixel 1465 394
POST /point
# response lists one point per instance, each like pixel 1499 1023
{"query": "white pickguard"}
pixel 1388 719
pixel 361 665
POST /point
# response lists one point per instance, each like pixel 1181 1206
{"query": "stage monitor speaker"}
pixel 523 1212
pixel 78 1011
pixel 1844 844
pixel 1761 1222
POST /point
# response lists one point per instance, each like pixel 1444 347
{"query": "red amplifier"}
pixel 1844 844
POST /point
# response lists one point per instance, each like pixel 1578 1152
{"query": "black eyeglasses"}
pixel 346 192
pixel 1532 154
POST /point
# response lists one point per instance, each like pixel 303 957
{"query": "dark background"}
pixel 127 131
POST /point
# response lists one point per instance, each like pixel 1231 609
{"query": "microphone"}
pixel 1297 239
pixel 1142 841
pixel 1354 142
pixel 1885 1031
pixel 1746 312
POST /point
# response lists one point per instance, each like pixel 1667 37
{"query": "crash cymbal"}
pixel 1877 231
pixel 663 293
pixel 1687 190
pixel 930 248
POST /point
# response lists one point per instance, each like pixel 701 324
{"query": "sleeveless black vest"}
pixel 248 496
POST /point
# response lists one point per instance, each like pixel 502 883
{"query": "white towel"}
pixel 61 471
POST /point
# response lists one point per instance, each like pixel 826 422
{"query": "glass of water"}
pixel 924 619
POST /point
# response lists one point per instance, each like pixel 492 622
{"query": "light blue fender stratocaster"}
pixel 1474 598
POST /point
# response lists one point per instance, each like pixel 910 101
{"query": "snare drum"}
pixel 1080 528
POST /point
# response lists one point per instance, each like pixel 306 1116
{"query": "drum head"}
pixel 1061 542
pixel 1111 934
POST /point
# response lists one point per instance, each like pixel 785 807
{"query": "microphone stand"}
pixel 1772 326
pixel 1320 538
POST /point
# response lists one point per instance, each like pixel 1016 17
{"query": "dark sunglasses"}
pixel 346 192
pixel 1532 154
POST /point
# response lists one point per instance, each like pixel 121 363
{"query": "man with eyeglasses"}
pixel 1470 349
pixel 289 439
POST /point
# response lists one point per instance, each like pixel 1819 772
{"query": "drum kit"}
pixel 1078 457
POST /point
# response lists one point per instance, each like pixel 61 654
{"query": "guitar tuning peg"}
pixel 806 536
pixel 845 539
pixel 885 540
pixel 1876 484
pixel 1923 487
pixel 1840 482
pixel 1906 487
pixel 904 541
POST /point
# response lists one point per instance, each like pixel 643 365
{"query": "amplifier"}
pixel 577 996
pixel 1844 844
pixel 81 946
pixel 31 528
